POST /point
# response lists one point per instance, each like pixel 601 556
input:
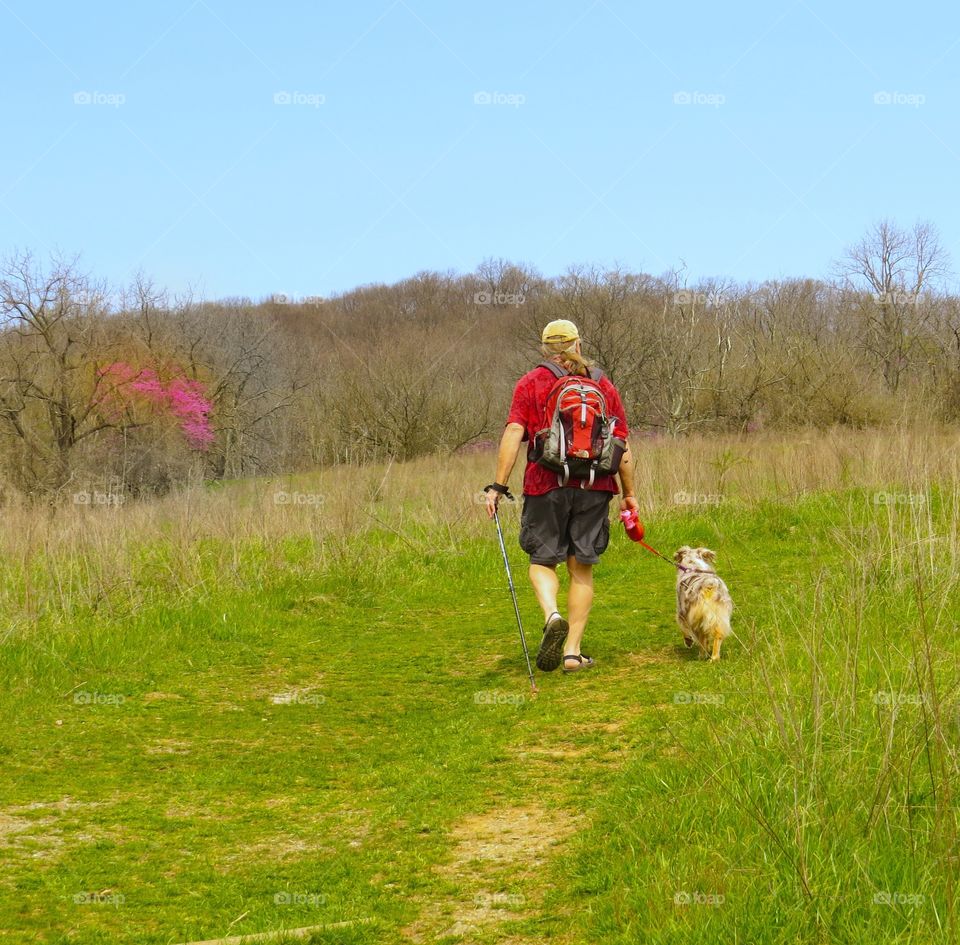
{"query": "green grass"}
pixel 787 792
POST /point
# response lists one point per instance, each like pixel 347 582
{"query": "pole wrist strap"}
pixel 500 488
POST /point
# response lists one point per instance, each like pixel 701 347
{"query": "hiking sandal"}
pixel 551 646
pixel 583 662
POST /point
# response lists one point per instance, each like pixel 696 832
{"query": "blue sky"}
pixel 739 141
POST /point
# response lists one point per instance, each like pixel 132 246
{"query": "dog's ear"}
pixel 680 552
pixel 709 556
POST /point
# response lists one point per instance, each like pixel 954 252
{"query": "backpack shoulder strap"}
pixel 554 369
pixel 596 374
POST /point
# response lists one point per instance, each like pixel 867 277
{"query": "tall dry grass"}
pixel 847 752
pixel 106 552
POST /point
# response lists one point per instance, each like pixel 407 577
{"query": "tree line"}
pixel 135 391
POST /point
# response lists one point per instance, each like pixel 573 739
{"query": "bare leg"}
pixel 545 585
pixel 579 601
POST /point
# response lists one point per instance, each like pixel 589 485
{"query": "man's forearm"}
pixel 626 474
pixel 509 449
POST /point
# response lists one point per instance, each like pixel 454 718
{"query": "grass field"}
pixel 303 704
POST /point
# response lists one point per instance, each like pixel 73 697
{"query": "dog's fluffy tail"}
pixel 715 610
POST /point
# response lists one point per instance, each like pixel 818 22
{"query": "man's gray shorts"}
pixel 565 523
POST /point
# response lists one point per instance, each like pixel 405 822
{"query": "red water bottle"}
pixel 632 524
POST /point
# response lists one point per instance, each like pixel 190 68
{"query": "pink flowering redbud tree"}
pixel 183 400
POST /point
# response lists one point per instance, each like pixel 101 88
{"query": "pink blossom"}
pixel 180 397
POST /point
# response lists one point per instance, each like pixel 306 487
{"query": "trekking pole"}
pixel 513 594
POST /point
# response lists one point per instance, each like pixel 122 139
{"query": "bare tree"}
pixel 50 385
pixel 896 267
pixel 250 371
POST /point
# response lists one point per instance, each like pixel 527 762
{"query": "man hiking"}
pixel 573 421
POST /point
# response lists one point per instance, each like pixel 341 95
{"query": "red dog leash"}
pixel 634 528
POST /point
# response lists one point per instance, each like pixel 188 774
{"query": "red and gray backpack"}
pixel 576 438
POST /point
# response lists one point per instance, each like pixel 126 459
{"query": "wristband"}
pixel 499 488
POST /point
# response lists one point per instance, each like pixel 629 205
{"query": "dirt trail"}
pixel 494 863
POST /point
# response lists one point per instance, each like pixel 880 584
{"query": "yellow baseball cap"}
pixel 559 331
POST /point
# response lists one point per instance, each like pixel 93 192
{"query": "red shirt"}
pixel 529 401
